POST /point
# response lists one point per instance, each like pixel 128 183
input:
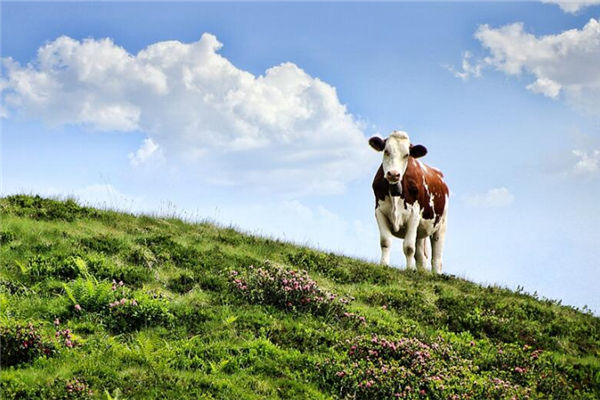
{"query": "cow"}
pixel 411 201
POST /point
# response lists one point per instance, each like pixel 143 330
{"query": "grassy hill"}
pixel 100 304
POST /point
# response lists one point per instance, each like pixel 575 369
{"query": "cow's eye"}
pixel 386 153
pixel 406 156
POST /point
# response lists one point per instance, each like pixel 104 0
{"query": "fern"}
pixel 22 268
pixel 69 293
pixel 81 267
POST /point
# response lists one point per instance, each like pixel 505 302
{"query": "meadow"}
pixel 106 305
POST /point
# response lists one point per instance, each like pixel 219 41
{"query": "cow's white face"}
pixel 396 151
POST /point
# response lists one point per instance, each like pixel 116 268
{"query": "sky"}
pixel 257 115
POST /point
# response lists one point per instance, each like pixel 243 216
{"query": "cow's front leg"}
pixel 385 237
pixel 421 254
pixel 410 238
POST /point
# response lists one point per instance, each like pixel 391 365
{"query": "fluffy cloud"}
pixel 149 152
pixel 283 128
pixel 493 198
pixel 562 65
pixel 586 163
pixel 469 69
pixel 573 6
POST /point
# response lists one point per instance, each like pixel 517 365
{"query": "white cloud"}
pixel 468 68
pixel 285 128
pixel 573 6
pixel 563 65
pixel 148 153
pixel 586 164
pixel 493 198
pixel 546 87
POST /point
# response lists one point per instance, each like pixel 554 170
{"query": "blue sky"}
pixel 269 132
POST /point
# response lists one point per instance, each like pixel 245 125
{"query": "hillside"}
pixel 100 304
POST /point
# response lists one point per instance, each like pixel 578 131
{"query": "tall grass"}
pixel 135 306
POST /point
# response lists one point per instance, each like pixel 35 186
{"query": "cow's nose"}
pixel 393 176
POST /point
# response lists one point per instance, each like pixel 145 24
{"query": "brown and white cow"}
pixel 411 201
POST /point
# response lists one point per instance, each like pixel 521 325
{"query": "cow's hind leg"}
pixel 385 237
pixel 421 254
pixel 437 246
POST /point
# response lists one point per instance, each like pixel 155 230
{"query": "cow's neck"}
pixel 397 203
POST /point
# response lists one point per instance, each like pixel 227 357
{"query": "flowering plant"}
pixel 287 289
pixel 134 312
pixel 22 343
pixel 408 368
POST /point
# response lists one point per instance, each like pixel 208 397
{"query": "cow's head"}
pixel 396 150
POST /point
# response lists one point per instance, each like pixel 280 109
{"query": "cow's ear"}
pixel 377 143
pixel 417 151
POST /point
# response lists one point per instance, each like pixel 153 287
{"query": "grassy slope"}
pixel 205 340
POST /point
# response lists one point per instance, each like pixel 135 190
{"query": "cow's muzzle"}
pixel 395 189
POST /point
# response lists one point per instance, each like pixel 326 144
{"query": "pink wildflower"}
pixel 77 307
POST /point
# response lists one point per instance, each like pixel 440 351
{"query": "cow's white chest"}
pixel 400 215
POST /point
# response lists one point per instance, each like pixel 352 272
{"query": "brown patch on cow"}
pixel 381 187
pixel 414 189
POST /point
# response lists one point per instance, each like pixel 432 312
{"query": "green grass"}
pixel 180 326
